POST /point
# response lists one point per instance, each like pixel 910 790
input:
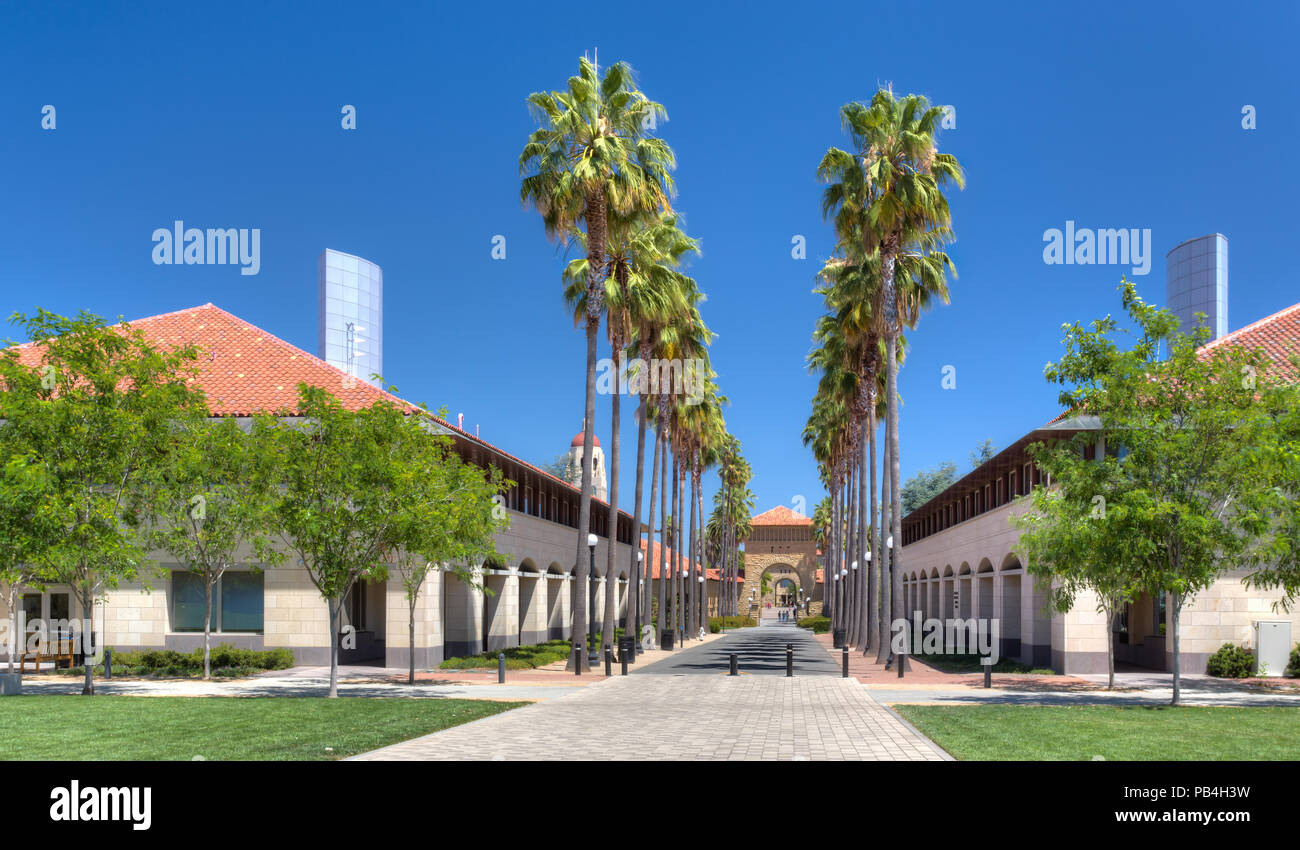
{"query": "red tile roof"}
pixel 653 557
pixel 1278 335
pixel 780 515
pixel 245 370
pixel 242 368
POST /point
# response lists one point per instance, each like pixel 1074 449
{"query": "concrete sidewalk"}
pixel 678 717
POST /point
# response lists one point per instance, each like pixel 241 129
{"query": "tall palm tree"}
pixel 643 291
pixel 888 201
pixel 591 155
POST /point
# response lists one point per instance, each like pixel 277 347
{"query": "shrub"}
pixel 169 662
pixel 1231 662
pixel 819 625
pixel 717 624
pixel 1293 668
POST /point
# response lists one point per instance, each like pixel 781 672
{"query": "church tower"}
pixel 573 474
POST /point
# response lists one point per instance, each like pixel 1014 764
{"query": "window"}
pixel 241 602
pixel 237 602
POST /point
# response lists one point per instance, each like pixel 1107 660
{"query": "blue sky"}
pixel 229 116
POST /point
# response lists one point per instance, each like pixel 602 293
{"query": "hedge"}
pixel 819 625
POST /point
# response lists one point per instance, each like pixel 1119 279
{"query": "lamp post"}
pixel 592 540
pixel 704 601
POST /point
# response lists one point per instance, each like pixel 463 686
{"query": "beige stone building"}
pixel 780 561
pixel 960 561
pixel 533 586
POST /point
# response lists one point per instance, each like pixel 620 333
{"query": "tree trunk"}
pixel 88 661
pixel 582 573
pixel 594 214
pixel 873 576
pixel 853 598
pixel 334 605
pixel 653 613
pixel 675 564
pixel 694 559
pixel 207 629
pixel 632 622
pixel 611 560
pixel 1178 609
pixel 1112 620
pixel 662 616
pixel 410 634
pixel 886 585
pixel 895 489
pixel 864 542
pixel 13 625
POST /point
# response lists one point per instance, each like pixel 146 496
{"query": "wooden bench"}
pixel 55 650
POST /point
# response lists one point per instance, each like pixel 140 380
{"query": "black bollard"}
pixel 789 660
pixel 501 668
pixel 988 671
pixel 577 661
pixel 844 658
pixel 108 663
pixel 622 660
pixel 734 666
pixel 900 662
pixel 609 661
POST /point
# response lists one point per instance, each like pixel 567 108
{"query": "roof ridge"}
pixel 1252 326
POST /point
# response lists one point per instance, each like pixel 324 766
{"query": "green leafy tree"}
pixel 447 521
pixel 210 502
pixel 1076 538
pixel 982 454
pixel 1187 432
pixel 22 483
pixel 926 484
pixel 348 478
pixel 94 408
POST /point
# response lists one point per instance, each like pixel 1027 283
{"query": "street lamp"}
pixel 592 540
pixel 704 601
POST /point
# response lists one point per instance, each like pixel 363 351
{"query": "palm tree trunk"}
pixel 873 577
pixel 864 542
pixel 611 565
pixel 582 573
pixel 594 214
pixel 693 621
pixel 854 600
pixel 895 488
pixel 886 586
pixel 662 619
pixel 676 545
pixel 632 623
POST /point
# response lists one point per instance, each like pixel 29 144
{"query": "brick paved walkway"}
pixel 717 717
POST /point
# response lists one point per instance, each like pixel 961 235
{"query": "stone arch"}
pixel 983 589
pixel 557 616
pixel 532 603
pixel 500 623
pixel 780 570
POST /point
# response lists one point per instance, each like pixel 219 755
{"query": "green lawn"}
pixel 65 727
pixel 1116 733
